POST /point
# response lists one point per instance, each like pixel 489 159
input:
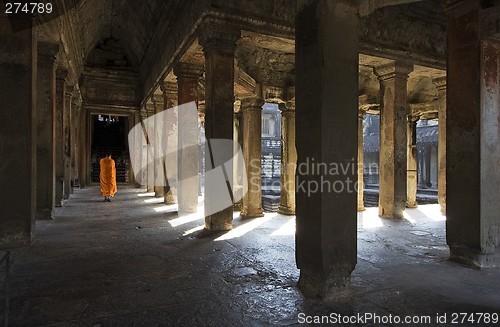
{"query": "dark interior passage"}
pixel 109 136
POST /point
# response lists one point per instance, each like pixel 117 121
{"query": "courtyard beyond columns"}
pixel 135 261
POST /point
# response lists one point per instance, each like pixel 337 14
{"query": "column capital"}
pixel 251 103
pixel 440 83
pixel 217 36
pixel 168 87
pixel 188 70
pixel 287 108
pixel 391 70
pixel 47 52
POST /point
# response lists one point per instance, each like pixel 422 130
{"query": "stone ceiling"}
pixel 132 22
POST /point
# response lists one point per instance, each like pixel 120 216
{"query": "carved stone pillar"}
pixel 219 44
pixel 472 126
pixel 327 108
pixel 18 71
pixel 61 75
pixel 288 159
pixel 441 86
pixel 159 143
pixel 46 93
pixel 411 186
pixel 360 166
pixel 188 160
pixel 251 109
pixel 68 97
pixel 393 138
pixel 238 164
pixel 169 90
pixel 150 111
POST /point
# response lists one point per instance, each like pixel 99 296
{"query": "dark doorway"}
pixel 109 135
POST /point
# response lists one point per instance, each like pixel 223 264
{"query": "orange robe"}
pixel 108 177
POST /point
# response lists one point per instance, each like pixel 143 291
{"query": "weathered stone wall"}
pixel 103 86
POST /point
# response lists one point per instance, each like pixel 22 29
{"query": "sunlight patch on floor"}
pixel 246 227
pixel 287 228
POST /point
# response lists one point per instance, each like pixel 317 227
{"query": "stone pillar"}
pixel 251 109
pixel 472 126
pixel 143 115
pixel 441 86
pixel 46 93
pixel 188 160
pixel 327 109
pixel 150 111
pixel 288 159
pixel 219 44
pixel 411 172
pixel 18 144
pixel 393 139
pixel 159 143
pixel 238 164
pixel 61 75
pixel 68 96
pixel 360 166
pixel 169 90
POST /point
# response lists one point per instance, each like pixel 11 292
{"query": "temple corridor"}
pixel 135 262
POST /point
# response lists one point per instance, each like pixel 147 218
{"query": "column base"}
pixel 220 221
pixel 169 198
pixel 443 208
pixel 44 214
pixel 473 258
pixel 284 210
pixel 361 207
pixel 237 206
pixel 256 213
pixel 159 191
pixel 326 289
pixel 411 204
pixel 384 213
pixel 182 210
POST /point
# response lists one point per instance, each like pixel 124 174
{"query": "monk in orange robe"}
pixel 108 178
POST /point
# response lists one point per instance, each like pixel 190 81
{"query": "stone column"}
pixel 61 75
pixel 473 155
pixel 18 144
pixel 150 111
pixel 288 159
pixel 219 44
pixel 327 109
pixel 360 166
pixel 143 115
pixel 393 139
pixel 411 172
pixel 441 86
pixel 159 142
pixel 188 160
pixel 251 109
pixel 68 96
pixel 169 90
pixel 238 164
pixel 46 93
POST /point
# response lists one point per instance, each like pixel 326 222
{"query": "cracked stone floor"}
pixel 135 262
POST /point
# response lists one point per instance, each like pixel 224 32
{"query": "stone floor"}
pixel 135 262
